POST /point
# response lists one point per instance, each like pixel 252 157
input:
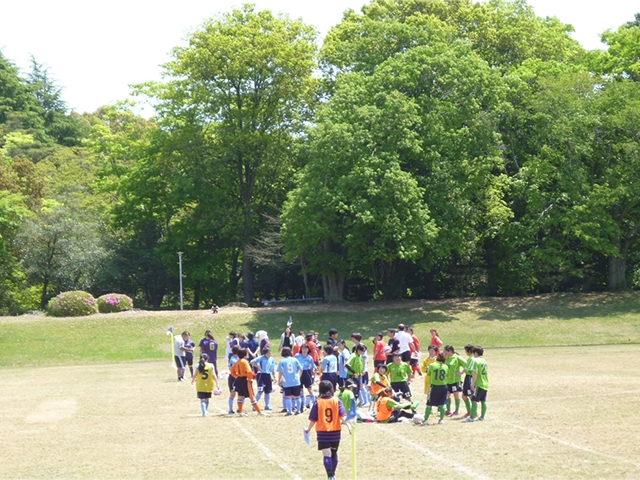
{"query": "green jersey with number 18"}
pixel 438 373
pixel 482 379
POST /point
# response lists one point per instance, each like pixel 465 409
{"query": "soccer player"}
pixel 332 341
pixel 179 352
pixel 355 367
pixel 456 365
pixel 345 393
pixel 266 367
pixel 307 377
pixel 343 358
pixel 209 346
pixel 435 340
pixel 329 366
pixel 289 372
pixel 479 385
pixel 231 381
pixel 232 341
pixel 425 365
pixel 189 346
pixel 379 353
pixel 205 380
pixel 399 373
pixel 327 415
pixel 393 345
pixel 437 372
pixel 415 353
pixel 244 383
pixel 467 393
pixel 389 410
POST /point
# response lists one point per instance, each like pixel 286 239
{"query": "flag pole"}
pixel 170 333
pixel 353 451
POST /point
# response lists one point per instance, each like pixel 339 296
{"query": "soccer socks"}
pixel 301 402
pixel 427 413
pixel 467 405
pixel 311 398
pixel 203 407
pixel 474 409
pixel 230 404
pixel 258 396
pixel 328 465
pixel 240 405
pixel 255 405
pixel 457 405
pixel 334 458
pixel 483 409
pixel 442 412
pixel 449 404
pixel 287 404
pixel 267 400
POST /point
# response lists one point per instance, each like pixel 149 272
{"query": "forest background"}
pixel 427 149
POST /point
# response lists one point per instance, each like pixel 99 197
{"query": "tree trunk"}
pixel 618 265
pixel 43 298
pixel 196 295
pixel 247 281
pixel 333 285
pixel 233 276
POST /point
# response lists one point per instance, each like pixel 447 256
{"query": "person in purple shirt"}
pixel 209 346
pixel 189 345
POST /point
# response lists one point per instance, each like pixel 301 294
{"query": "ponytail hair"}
pixel 203 359
pixel 440 358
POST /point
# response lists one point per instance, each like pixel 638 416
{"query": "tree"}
pixel 245 80
pixel 623 54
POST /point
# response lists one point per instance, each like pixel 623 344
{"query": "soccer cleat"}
pixel 424 423
pixel 468 420
pixel 466 415
pixel 269 408
pixel 440 422
pixel 231 412
pixel 263 414
pixel 481 419
pixel 447 413
pixel 243 414
pixel 284 410
pixel 288 414
pixel 455 414
pixel 180 379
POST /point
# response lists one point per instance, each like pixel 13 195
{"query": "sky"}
pixel 95 50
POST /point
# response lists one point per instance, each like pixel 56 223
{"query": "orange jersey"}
pixel 328 415
pixel 383 409
pixel 313 351
pixel 377 378
pixel 242 369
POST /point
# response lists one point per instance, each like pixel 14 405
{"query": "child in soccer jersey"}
pixel 289 372
pixel 467 393
pixel 244 383
pixel 266 366
pixel 327 416
pixel 433 353
pixel 414 348
pixel 399 373
pixel 389 410
pixel 365 394
pixel 343 358
pixel 329 366
pixel 231 380
pixel 479 385
pixel 456 366
pixel 379 353
pixel 189 346
pixel 379 380
pixel 355 368
pixel 209 346
pixel 307 378
pixel 437 372
pixel 205 380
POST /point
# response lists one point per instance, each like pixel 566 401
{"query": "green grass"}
pixel 535 321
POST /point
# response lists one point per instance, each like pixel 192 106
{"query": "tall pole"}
pixel 180 261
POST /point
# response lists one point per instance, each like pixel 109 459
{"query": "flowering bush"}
pixel 114 302
pixel 72 304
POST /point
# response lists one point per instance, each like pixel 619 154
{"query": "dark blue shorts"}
pixel 402 387
pixel 179 361
pixel 265 384
pixel 306 378
pixel 231 382
pixel 466 387
pixel 204 394
pixel 292 391
pixel 332 377
pixel 480 395
pixel 454 387
pixel 341 381
pixel 437 396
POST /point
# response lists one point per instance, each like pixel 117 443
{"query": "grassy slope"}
pixel 546 320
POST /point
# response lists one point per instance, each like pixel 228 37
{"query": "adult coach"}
pixel 405 341
pixel 180 352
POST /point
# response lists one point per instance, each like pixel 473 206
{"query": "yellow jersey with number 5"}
pixel 204 380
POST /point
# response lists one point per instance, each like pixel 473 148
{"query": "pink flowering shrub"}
pixel 72 304
pixel 114 302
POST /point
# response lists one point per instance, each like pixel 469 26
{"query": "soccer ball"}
pixel 217 391
pixel 418 419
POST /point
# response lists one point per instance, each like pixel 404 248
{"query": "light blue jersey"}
pixel 290 369
pixel 330 364
pixel 344 358
pixel 267 365
pixel 306 362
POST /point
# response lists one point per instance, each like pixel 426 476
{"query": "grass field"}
pixel 85 397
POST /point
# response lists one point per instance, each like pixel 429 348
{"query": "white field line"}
pixel 268 453
pixel 563 397
pixel 570 444
pixel 439 458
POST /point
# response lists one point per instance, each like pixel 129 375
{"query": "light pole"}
pixel 180 261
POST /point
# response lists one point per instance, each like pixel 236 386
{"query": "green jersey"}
pixel 356 364
pixel 346 396
pixel 455 362
pixel 438 373
pixel 468 368
pixel 482 378
pixel 398 372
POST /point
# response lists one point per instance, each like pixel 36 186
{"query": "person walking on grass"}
pixel 266 366
pixel 379 353
pixel 289 372
pixel 205 380
pixel 437 398
pixel 327 415
pixel 329 366
pixel 244 383
pixel 456 366
pixel 479 385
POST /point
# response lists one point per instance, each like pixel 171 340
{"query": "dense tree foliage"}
pixel 429 148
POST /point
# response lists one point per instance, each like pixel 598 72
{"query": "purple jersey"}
pixel 210 347
pixel 189 344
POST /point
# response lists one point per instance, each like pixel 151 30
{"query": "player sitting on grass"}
pixel 327 414
pixel 389 410
pixel 479 385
